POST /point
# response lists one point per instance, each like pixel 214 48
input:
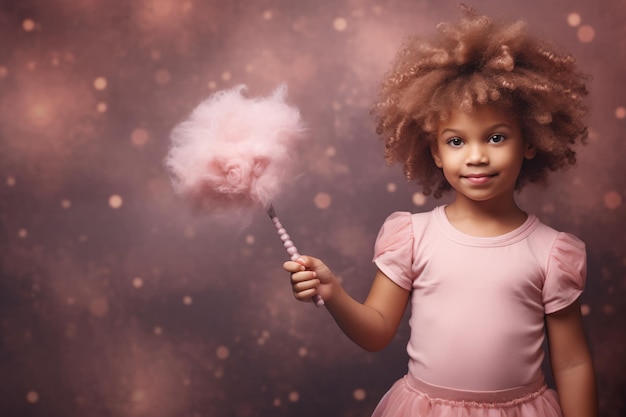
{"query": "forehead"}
pixel 481 116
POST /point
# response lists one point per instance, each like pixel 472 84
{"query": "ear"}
pixel 530 151
pixel 434 151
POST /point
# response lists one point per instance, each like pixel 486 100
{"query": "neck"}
pixel 485 218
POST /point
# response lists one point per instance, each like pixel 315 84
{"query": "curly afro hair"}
pixel 480 61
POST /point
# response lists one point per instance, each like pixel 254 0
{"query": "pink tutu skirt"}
pixel 411 397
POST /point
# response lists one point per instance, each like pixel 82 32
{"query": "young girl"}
pixel 482 108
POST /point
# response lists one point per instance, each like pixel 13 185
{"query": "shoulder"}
pixel 406 221
pixel 565 266
pixel 394 251
pixel 401 228
pixel 556 242
pixel 396 229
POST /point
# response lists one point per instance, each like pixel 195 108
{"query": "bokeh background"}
pixel 116 300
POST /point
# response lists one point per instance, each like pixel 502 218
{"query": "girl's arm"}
pixel 371 324
pixel 571 363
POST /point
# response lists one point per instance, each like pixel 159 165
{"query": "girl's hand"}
pixel 371 324
pixel 310 276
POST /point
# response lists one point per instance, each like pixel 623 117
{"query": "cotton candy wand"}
pixel 235 153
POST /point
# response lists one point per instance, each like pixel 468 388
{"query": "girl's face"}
pixel 481 152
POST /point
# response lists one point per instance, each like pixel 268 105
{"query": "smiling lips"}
pixel 478 179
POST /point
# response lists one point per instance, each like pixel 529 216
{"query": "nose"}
pixel 476 154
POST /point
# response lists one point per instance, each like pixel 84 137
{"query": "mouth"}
pixel 478 178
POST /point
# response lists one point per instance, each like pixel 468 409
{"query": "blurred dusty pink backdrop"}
pixel 116 300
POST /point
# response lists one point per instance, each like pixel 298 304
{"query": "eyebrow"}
pixel 490 128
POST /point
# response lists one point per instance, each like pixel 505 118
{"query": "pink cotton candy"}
pixel 234 152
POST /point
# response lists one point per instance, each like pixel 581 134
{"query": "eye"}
pixel 455 142
pixel 497 138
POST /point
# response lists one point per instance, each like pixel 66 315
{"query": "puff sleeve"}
pixel 566 273
pixel 393 251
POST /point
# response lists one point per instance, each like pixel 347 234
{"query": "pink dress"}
pixel 477 314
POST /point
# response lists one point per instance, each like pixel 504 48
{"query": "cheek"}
pixel 512 162
pixel 450 160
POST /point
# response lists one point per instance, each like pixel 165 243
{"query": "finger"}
pixel 305 261
pixel 309 284
pixel 302 276
pixel 305 295
pixel 291 266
